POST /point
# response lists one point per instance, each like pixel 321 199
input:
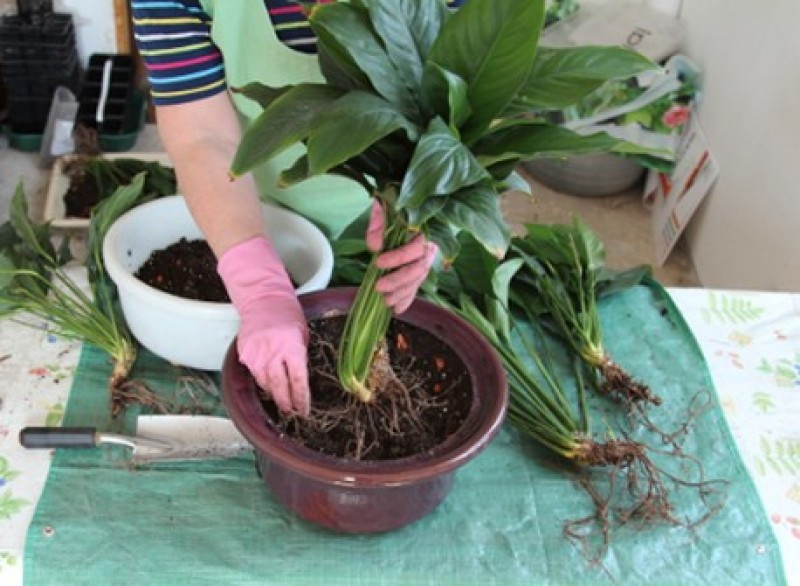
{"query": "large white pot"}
pixel 185 331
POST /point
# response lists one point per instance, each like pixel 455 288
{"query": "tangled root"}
pixel 633 490
pixel 618 383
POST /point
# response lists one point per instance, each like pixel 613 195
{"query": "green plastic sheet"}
pixel 101 522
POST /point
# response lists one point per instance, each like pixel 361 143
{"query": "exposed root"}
pixel 635 491
pixel 134 392
pixel 196 393
pixel 382 428
pixel 698 405
pixel 618 383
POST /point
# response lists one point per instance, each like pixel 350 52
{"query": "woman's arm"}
pixel 201 138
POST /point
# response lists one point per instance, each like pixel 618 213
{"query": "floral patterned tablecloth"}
pixel 751 341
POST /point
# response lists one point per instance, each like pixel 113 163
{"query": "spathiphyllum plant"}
pixel 430 110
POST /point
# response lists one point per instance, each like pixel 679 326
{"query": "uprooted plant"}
pixel 627 480
pixel 426 110
pixel 36 280
pixel 564 273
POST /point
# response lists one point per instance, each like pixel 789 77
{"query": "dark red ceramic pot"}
pixel 369 497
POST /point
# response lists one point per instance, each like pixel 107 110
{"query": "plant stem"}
pixel 367 323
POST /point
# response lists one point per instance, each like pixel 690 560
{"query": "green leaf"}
pixel 429 208
pixel 104 215
pixel 589 247
pixel 408 29
pixel 562 77
pixel 515 182
pixel 297 173
pixel 441 164
pixel 350 125
pixel 501 286
pixel 550 242
pixel 477 210
pixel 262 94
pixel 443 235
pixel 528 140
pixel 611 281
pixel 445 94
pixel 491 45
pixel 474 266
pixel 346 33
pixel 287 121
pixel 35 237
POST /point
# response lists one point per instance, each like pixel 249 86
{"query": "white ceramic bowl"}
pixel 185 331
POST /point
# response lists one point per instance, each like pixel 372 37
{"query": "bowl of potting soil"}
pixel 195 332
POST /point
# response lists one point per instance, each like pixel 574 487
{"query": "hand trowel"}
pixel 158 438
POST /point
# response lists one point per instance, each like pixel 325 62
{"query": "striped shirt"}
pixel 183 64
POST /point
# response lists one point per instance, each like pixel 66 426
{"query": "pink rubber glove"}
pixel 273 337
pixel 408 265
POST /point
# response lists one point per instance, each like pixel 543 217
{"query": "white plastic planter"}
pixel 185 331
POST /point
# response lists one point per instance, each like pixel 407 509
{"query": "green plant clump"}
pixel 431 112
pixel 35 280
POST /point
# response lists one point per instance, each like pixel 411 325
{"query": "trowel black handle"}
pixel 58 437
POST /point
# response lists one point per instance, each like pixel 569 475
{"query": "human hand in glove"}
pixel 407 266
pixel 273 337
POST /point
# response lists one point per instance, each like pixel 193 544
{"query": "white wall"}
pixel 747 233
pixel 94 25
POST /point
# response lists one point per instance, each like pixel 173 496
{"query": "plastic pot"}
pixel 186 331
pixel 594 175
pixel 371 496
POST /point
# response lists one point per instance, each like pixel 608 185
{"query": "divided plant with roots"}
pixel 631 478
pixel 35 280
pixel 562 277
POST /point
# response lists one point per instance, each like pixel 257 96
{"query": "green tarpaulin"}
pixel 101 522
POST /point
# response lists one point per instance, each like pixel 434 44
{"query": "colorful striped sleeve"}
pixel 174 40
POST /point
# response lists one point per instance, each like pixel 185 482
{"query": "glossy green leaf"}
pixel 491 45
pixel 262 94
pixel 441 164
pixel 477 211
pixel 429 208
pixel 346 33
pixel 444 236
pixel 349 126
pixel 515 182
pixel 407 28
pixel 287 121
pixel 475 265
pixel 528 140
pixel 561 77
pixel 444 94
pixel 297 173
pixel 499 303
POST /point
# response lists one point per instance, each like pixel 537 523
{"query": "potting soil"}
pixel 214 522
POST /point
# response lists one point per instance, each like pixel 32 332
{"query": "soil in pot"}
pixel 426 400
pixel 187 268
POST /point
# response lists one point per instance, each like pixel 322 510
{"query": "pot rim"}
pixel 487 413
pixel 126 280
